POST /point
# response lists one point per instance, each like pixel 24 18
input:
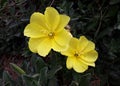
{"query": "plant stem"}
pixel 52 3
pixel 99 26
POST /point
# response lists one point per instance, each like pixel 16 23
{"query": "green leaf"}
pixel 8 79
pixel 85 80
pixel 81 79
pixel 17 69
pixel 74 83
pixel 53 71
pixel 112 12
pixel 6 76
pixel 38 63
pixel 29 80
pixel 43 79
pixel 2 4
pixel 52 82
pixel 105 32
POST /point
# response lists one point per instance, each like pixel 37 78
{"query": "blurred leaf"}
pixel 118 17
pixel 112 12
pixel 85 80
pixel 43 79
pixel 8 79
pixel 35 75
pixel 17 69
pixel 91 25
pixel 105 32
pixel 52 82
pixel 118 27
pixel 29 81
pixel 112 2
pixel 38 63
pixel 74 83
pixel 114 46
pixel 53 71
pixel 81 79
pixel 2 4
pixel 17 1
pixel 6 76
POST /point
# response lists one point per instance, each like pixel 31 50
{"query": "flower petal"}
pixel 87 63
pixel 64 19
pixel 71 47
pixel 44 47
pixel 90 56
pixel 82 43
pixel 63 37
pixel 57 47
pixel 79 67
pixel 73 43
pixel 70 62
pixel 34 30
pixel 68 52
pixel 52 17
pixel 34 43
pixel 39 19
pixel 90 46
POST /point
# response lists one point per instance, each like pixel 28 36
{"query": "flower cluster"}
pixel 47 31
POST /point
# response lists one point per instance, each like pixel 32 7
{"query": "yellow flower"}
pixel 81 54
pixel 46 32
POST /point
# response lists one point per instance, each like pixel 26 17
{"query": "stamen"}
pixel 51 35
pixel 76 54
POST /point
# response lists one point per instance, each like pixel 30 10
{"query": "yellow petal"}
pixel 34 30
pixel 70 62
pixel 34 43
pixel 57 47
pixel 90 46
pixel 39 19
pixel 82 43
pixel 87 63
pixel 73 43
pixel 90 56
pixel 79 67
pixel 68 52
pixel 64 19
pixel 44 47
pixel 52 17
pixel 62 38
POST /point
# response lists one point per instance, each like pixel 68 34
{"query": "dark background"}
pixel 98 20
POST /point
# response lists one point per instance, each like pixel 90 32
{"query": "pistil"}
pixel 51 35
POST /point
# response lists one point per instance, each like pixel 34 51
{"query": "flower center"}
pixel 76 54
pixel 51 35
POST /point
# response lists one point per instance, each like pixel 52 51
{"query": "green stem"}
pixel 52 3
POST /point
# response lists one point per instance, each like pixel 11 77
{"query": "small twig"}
pixel 52 3
pixel 100 20
pixel 102 14
pixel 99 26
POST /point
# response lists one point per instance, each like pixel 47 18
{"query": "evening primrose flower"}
pixel 46 32
pixel 81 54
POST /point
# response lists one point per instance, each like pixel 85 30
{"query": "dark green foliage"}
pixel 98 20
